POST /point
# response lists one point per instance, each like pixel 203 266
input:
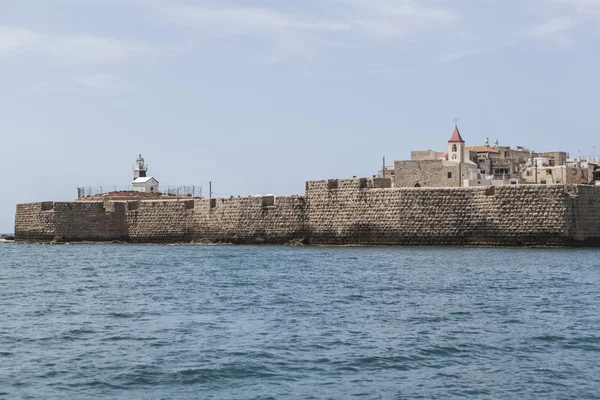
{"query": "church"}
pixel 457 167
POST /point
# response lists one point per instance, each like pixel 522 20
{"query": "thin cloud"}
pixel 584 8
pixel 555 29
pixel 96 81
pixel 449 57
pixel 389 18
pixel 292 34
pixel 249 20
pixel 75 49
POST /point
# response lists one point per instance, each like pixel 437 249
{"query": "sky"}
pixel 258 96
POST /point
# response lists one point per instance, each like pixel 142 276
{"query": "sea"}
pixel 119 321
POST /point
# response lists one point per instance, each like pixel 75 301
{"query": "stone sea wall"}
pixel 241 220
pixel 337 212
pixel 504 215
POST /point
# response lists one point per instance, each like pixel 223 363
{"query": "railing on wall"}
pixel 169 190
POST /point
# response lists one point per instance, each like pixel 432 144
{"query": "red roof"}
pixel 482 149
pixel 456 138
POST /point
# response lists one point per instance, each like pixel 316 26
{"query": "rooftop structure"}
pixel 142 182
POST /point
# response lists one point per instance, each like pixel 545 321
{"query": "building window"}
pixel 529 173
pixel 506 154
pixel 454 156
pixel 543 181
pixel 548 172
pixel 454 148
pixel 449 175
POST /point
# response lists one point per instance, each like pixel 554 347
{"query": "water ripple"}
pixel 161 322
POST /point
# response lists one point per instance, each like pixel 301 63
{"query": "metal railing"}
pixel 170 190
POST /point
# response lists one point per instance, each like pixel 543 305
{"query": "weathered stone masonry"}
pixel 340 212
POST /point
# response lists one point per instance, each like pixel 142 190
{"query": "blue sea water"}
pixel 224 322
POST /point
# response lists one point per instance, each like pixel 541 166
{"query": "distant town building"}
pixel 485 165
pixel 141 181
pixel 436 169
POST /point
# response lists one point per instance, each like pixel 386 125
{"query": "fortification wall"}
pixel 251 220
pixel 337 212
pixel 504 215
pixel 583 214
pixel 91 221
pixel 159 221
pixel 35 221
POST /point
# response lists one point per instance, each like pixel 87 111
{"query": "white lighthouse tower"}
pixel 141 181
pixel 140 168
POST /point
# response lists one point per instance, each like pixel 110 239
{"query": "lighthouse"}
pixel 140 168
pixel 141 181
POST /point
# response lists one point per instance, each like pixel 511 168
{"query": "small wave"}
pixel 549 338
pixel 229 372
pixel 120 315
pixel 441 351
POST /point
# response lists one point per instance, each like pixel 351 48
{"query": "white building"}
pixel 142 182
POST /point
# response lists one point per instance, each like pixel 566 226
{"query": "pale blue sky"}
pixel 260 95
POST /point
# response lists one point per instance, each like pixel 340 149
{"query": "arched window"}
pixel 418 185
pixel 454 156
pixel 454 148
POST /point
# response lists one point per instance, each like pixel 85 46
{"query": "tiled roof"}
pixel 456 138
pixel 482 149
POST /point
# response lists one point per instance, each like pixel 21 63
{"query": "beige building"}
pixel 487 165
pixel 561 175
pixel 435 169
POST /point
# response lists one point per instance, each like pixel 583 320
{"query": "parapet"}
pixel 351 183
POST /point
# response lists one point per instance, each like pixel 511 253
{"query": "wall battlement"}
pixel 362 211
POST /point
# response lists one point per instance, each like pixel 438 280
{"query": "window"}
pixel 548 172
pixel 454 148
pixel 449 175
pixel 506 154
pixel 454 156
pixel 529 173
pixel 543 181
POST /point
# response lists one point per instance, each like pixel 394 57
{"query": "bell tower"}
pixel 140 168
pixel 456 147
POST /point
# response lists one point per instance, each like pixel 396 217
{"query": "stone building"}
pixel 435 169
pixel 554 158
pixel 501 162
pixel 542 171
pixel 490 165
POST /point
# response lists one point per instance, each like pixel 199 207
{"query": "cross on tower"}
pixel 456 122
